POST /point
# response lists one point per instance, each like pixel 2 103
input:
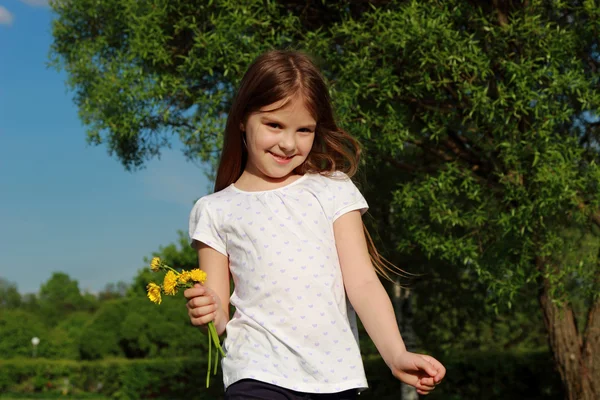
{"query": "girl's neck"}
pixel 250 182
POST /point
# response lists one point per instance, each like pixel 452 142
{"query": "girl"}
pixel 285 223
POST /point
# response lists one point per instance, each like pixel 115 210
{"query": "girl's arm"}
pixel 374 308
pixel 217 285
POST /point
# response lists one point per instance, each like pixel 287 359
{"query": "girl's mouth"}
pixel 281 160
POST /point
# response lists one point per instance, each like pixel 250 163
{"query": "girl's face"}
pixel 279 139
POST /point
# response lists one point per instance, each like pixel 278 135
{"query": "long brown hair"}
pixel 279 75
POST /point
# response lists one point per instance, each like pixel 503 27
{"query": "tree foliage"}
pixel 113 291
pixel 497 104
pixel 60 296
pixel 136 328
pixel 9 295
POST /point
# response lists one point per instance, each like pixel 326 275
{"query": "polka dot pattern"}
pixel 293 325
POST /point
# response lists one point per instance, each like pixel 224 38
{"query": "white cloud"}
pixel 6 18
pixel 36 3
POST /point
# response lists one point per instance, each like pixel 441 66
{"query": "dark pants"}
pixel 250 389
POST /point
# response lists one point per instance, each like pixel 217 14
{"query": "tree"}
pixel 113 291
pixel 30 303
pixel 500 116
pixel 483 114
pixel 9 295
pixel 60 296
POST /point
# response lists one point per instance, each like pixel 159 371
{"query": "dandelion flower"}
pixel 154 292
pixel 155 264
pixel 184 277
pixel 198 275
pixel 170 283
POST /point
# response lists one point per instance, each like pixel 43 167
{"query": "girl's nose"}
pixel 287 142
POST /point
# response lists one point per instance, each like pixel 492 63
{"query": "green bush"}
pixel 63 341
pixel 175 378
pixel 481 376
pixel 17 327
pixel 136 328
pixel 100 337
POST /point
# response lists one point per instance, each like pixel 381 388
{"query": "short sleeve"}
pixel 204 228
pixel 346 196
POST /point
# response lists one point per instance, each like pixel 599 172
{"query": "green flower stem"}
pixel 213 337
pixel 209 354
pixel 211 334
pixel 216 361
pixel 213 330
pixel 167 267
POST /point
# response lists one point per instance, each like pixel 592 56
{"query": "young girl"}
pixel 285 223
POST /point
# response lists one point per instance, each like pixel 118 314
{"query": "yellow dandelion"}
pixel 198 275
pixel 184 277
pixel 154 292
pixel 170 283
pixel 155 264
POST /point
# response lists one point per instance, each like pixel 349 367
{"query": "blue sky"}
pixel 65 205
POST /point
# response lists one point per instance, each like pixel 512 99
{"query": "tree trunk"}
pixel 574 353
pixel 591 346
pixel 404 316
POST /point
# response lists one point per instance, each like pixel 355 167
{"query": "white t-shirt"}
pixel 293 326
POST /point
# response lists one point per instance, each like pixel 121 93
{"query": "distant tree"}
pixel 30 303
pixel 137 328
pixel 60 296
pixel 113 291
pixel 9 295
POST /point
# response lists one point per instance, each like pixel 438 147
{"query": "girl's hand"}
pixel 203 307
pixel 418 370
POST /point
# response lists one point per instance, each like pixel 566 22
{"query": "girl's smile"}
pixel 281 159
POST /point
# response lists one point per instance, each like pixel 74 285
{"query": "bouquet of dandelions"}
pixel 182 280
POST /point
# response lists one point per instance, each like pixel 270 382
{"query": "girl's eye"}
pixel 305 130
pixel 273 125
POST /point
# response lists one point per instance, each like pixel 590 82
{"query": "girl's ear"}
pixel 242 127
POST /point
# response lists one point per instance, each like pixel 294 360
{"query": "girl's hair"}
pixel 279 75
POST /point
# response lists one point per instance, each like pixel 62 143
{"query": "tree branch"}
pixel 502 17
pixel 440 154
pixel 401 165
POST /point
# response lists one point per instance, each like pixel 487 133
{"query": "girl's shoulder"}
pixel 332 185
pixel 337 194
pixel 214 201
pixel 331 177
pixel 330 180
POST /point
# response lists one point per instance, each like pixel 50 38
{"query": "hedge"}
pixel 172 378
pixel 480 376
